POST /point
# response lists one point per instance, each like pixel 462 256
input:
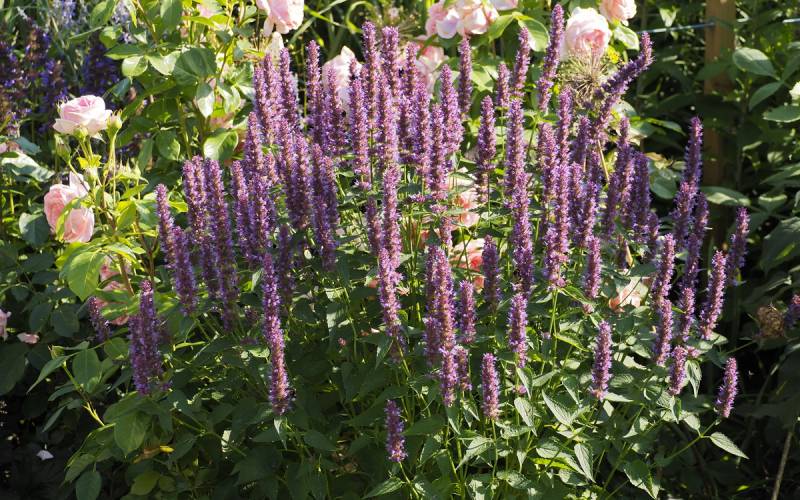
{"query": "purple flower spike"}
pixel 395 441
pixel 661 348
pixel 677 374
pixel 466 319
pixel 666 267
pixel 100 324
pixel 490 267
pixel 490 385
pixel 728 389
pixel 601 370
pixel 464 75
pixel 738 247
pixel 390 52
pixel 792 312
pixel 182 272
pixel 517 326
pixel 591 276
pixel 486 147
pixel 694 244
pixel 687 305
pixel 145 336
pixel 462 368
pixel 715 295
pixel 280 393
pixel 521 63
pixel 454 131
pixel 551 57
pixel 448 376
pixel 371 71
pixel 359 134
pixel 501 90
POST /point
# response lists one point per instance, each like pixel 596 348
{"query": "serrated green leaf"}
pixel 724 442
pixel 559 410
pixel 584 455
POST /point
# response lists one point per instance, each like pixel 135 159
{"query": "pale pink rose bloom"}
pixel 205 11
pixel 618 10
pixel 79 224
pixel 441 21
pixel 475 17
pixel 102 304
pixel 3 322
pixel 429 59
pixel 586 34
pixel 28 338
pixel 470 256
pixel 468 200
pixel 86 111
pixel 505 4
pixel 282 15
pixel 340 69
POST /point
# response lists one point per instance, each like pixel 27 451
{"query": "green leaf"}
pixel 476 446
pixel 584 455
pixel 167 145
pixel 12 359
pixel 390 485
pixel 626 36
pixel 48 368
pixel 145 482
pixel 781 244
pixel 87 487
pixel 194 66
pixel 134 66
pixel 525 410
pixel 34 229
pixel 86 368
pixel 318 440
pixel 164 64
pixel 21 164
pixel 129 432
pixel 102 13
pixel 116 348
pixel 753 61
pixel 783 114
pixel 499 26
pixel 221 145
pixel 82 271
pixel 559 410
pixel 639 475
pixel 170 15
pixel 428 426
pixel 763 92
pixel 65 320
pixel 724 442
pixel 204 99
pixel 724 196
pixel 538 35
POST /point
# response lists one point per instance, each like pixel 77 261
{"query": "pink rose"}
pixel 28 338
pixel 429 59
pixel 282 15
pixel 468 201
pixel 88 112
pixel 465 17
pixel 586 34
pixel 470 256
pixel 618 10
pixel 505 4
pixel 339 69
pixel 3 322
pixel 79 224
pixel 102 304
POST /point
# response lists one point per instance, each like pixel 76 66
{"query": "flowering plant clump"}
pixel 419 258
pixel 384 295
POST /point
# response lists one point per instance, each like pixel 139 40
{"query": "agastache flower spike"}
pixel 661 348
pixel 219 225
pixel 165 222
pixel 728 389
pixel 694 244
pixel 391 215
pixel 601 369
pixel 144 339
pixel 464 75
pixel 395 441
pixel 490 268
pixel 486 147
pixel 551 57
pixel 448 376
pixel 521 63
pixel 387 118
pixel 613 89
pixel 462 368
pixel 591 276
pixel 280 392
pixel 687 305
pixel 454 131
pixel 182 272
pixel 390 51
pixel 490 386
pixel 241 206
pixel 466 318
pixel 387 294
pixel 288 91
pixel 502 94
pixel 440 165
pixel 677 374
pixel 99 323
pixel 792 312
pixel 359 134
pixel 666 267
pixel 738 247
pixel 283 265
pixel 517 192
pixel 714 296
pixel 371 71
pixel 314 91
pixel 517 326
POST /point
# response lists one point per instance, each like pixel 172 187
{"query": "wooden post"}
pixel 720 39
